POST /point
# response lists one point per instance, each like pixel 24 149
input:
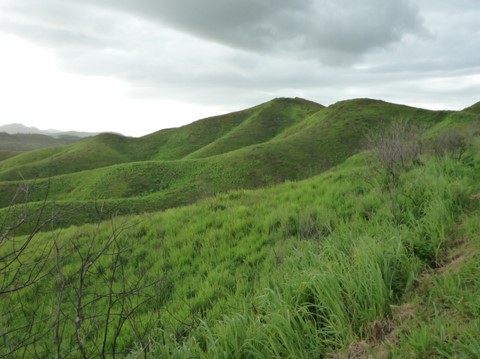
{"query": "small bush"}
pixel 452 143
pixel 397 147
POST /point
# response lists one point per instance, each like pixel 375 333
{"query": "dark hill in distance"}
pixel 215 135
pixel 283 139
pixel 475 108
pixel 20 138
pixel 18 128
pixel 22 142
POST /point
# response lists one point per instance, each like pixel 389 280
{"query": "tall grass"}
pixel 335 283
pixel 293 271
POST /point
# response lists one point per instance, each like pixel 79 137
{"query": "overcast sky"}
pixel 136 66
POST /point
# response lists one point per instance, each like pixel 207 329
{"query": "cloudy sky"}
pixel 136 66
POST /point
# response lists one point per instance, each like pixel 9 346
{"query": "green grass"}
pixel 440 317
pixel 29 142
pixel 279 125
pixel 475 108
pixel 171 144
pixel 295 270
pixel 4 154
pixel 271 120
pixel 268 144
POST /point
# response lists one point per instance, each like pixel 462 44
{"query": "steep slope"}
pixel 169 144
pixel 311 146
pixel 291 271
pixel 475 108
pixel 437 319
pixel 324 139
pixel 263 125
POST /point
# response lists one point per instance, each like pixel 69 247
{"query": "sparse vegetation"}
pixel 452 143
pixel 397 147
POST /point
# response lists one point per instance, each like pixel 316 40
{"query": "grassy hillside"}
pixel 291 150
pixel 7 154
pixel 298 270
pixel 475 108
pixel 440 318
pixel 29 142
pixel 170 144
pixel 265 124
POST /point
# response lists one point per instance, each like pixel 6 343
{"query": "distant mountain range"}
pixel 18 128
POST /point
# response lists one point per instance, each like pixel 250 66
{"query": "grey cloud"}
pixel 337 32
pixel 237 53
pixel 346 28
pixel 58 24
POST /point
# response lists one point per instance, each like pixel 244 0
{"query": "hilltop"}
pixel 231 131
pixel 273 232
pixel 475 108
pixel 283 139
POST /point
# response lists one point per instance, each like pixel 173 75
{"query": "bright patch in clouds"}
pixel 139 66
pixel 35 92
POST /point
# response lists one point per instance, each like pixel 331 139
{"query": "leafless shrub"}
pixel 24 262
pixel 397 147
pixel 452 143
pixel 94 303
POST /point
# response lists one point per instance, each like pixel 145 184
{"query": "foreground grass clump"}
pixel 333 286
pixel 293 271
pixel 440 317
pixel 446 309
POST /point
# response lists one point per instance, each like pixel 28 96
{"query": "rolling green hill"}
pixel 475 108
pixel 29 142
pixel 264 125
pixel 4 154
pixel 284 139
pixel 171 144
pixel 267 233
pixel 297 270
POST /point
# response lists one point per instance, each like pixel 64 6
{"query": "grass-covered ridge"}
pixel 256 125
pixel 284 139
pixel 296 270
pixel 28 142
pixel 4 154
pixel 475 108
